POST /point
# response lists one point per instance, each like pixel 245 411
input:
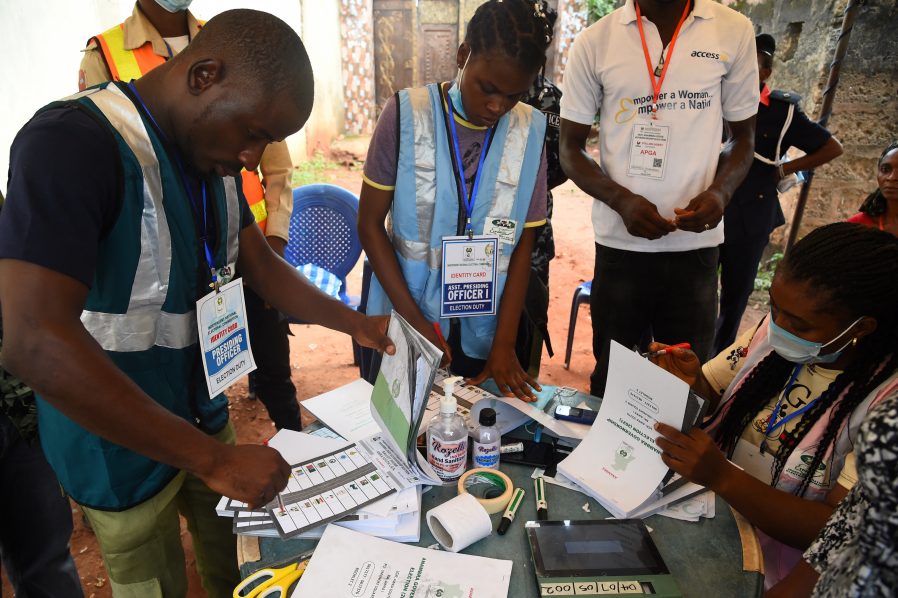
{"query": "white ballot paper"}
pixel 618 463
pixel 349 564
pixel 346 410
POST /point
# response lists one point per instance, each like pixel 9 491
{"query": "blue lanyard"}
pixel 773 423
pixel 204 237
pixel 468 200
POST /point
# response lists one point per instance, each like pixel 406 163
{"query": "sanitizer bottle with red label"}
pixel 447 437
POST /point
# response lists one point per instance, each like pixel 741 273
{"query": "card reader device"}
pixel 612 558
pixel 575 414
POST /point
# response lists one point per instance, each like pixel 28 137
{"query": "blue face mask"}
pixel 174 6
pixel 798 350
pixel 455 92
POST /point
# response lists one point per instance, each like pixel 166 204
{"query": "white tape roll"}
pixel 459 522
pixel 491 488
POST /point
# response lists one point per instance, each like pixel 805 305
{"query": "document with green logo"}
pixel 618 463
pixel 349 564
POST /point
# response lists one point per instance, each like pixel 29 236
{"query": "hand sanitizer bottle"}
pixel 486 441
pixel 447 437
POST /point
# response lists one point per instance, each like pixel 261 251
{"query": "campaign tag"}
pixel 755 462
pixel 469 276
pixel 224 337
pixel 504 228
pixel 648 150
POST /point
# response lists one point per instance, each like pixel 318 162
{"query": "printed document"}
pixel 618 463
pixel 349 564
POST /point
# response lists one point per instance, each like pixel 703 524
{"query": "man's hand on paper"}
pixel 682 363
pixel 250 473
pixel 504 368
pixel 694 456
pixel 372 332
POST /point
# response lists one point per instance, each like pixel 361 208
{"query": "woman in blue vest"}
pixel 460 170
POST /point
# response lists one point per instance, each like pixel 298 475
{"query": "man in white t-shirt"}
pixel 662 91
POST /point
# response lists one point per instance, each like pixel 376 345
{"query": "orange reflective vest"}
pixel 125 65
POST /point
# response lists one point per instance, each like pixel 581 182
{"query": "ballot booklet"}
pixel 349 564
pixel 618 463
pixel 398 404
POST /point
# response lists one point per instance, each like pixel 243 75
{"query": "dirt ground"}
pixel 322 359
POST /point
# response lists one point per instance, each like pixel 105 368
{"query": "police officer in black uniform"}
pixel 533 330
pixel 754 210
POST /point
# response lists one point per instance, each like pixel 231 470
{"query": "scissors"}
pixel 275 583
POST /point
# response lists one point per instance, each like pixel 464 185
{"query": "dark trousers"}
pixel 669 296
pixel 739 261
pixel 35 521
pixel 272 381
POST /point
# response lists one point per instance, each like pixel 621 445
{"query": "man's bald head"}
pixel 243 82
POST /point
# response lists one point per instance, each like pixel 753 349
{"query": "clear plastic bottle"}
pixel 447 437
pixel 486 441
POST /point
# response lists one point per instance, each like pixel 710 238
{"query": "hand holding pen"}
pixel 679 360
pixel 664 349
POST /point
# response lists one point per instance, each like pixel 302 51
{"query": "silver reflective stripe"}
pixel 230 187
pixel 418 252
pixel 144 324
pixel 425 165
pixel 509 174
pixel 140 329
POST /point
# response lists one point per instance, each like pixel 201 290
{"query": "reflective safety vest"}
pixel 425 202
pixel 141 307
pixel 125 65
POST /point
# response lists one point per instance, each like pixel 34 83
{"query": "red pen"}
pixel 436 327
pixel 666 350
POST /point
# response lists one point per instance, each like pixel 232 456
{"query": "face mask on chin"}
pixel 174 6
pixel 798 350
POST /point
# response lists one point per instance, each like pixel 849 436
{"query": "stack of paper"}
pixel 332 481
pixel 618 463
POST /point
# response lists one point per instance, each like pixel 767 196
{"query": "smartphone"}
pixel 576 414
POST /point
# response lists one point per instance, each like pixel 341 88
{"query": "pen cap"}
pixel 447 403
pixel 487 417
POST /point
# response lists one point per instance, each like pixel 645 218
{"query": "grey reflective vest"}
pixel 141 308
pixel 425 202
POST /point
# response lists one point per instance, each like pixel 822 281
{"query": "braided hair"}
pixel 856 269
pixel 520 29
pixel 875 204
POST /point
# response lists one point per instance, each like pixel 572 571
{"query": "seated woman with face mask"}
pixel 789 395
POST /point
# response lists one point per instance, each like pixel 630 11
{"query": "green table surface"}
pixel 705 557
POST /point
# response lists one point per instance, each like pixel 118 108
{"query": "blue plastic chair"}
pixel 323 231
pixel 581 295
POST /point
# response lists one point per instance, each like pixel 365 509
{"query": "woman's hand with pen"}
pixel 682 363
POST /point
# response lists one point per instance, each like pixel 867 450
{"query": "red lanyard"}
pixel 656 84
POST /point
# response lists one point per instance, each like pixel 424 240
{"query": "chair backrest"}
pixel 323 229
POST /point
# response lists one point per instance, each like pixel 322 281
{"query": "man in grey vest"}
pixel 104 255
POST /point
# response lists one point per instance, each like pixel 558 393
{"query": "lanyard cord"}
pixel 773 423
pixel 202 218
pixel 656 85
pixel 467 199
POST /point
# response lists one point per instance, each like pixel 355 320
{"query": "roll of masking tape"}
pixel 490 487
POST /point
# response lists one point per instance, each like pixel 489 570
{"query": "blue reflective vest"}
pixel 425 202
